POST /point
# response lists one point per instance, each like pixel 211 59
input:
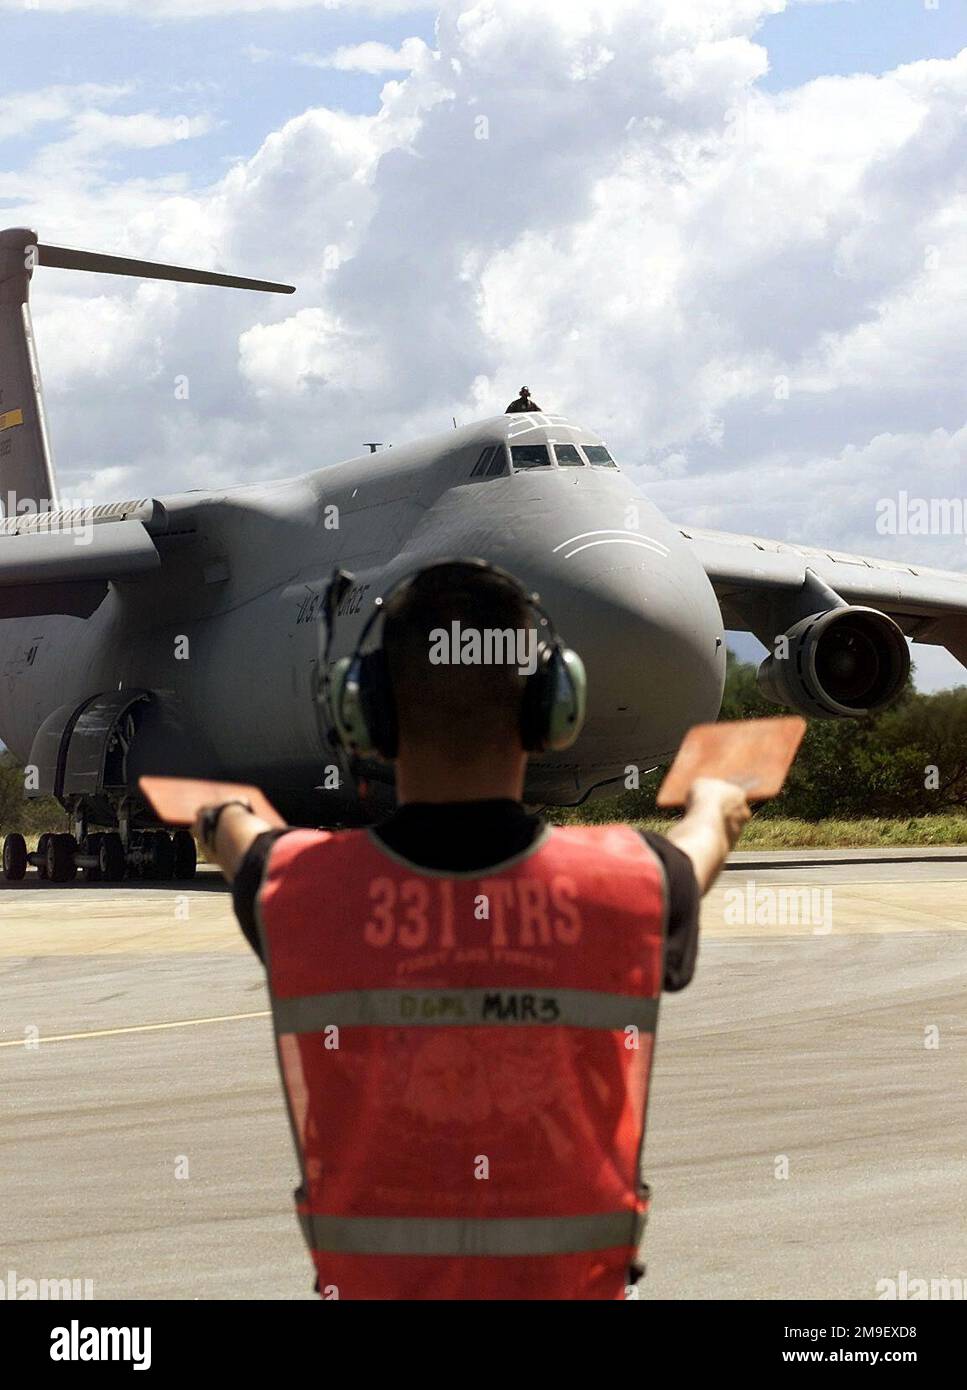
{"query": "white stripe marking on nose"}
pixel 633 538
pixel 655 549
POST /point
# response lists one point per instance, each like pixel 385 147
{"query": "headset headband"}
pixel 408 581
pixel 363 705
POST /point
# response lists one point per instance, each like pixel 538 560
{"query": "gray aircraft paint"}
pixel 242 571
pixel 239 573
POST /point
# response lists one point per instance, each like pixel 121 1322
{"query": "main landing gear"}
pixel 81 756
pixel 103 856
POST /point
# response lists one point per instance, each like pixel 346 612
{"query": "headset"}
pixel 360 690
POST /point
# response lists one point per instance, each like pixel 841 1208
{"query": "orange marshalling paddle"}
pixel 756 754
pixel 177 800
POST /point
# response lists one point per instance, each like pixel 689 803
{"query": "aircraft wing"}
pixel 68 571
pixel 751 576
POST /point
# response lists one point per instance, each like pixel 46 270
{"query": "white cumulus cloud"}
pixel 754 296
pixel 193 9
pixel 370 57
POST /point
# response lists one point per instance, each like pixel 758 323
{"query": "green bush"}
pixel 18 811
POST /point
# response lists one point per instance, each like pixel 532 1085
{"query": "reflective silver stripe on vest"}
pixel 468 1008
pixel 454 1237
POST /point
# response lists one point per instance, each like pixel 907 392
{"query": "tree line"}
pixel 909 760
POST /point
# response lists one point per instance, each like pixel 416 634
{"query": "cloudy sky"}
pixel 730 235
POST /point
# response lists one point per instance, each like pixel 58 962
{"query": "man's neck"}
pixel 487 779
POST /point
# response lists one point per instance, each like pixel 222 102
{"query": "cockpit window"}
pixel 498 463
pixel 530 456
pixel 598 456
pixel 491 462
pixel 568 456
pixel 484 461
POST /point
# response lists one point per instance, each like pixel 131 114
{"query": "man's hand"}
pixel 237 827
pixel 710 796
pixel 715 815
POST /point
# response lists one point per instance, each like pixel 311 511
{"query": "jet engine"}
pixel 839 664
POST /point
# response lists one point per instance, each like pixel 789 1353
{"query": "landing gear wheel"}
pixel 110 855
pixel 185 855
pixel 60 858
pixel 91 844
pixel 160 864
pixel 42 844
pixel 135 868
pixel 14 857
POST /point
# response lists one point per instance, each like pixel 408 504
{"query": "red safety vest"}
pixel 466 1058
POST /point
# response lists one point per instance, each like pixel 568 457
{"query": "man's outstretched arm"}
pixel 235 830
pixel 714 818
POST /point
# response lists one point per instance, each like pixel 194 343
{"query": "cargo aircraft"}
pixel 191 634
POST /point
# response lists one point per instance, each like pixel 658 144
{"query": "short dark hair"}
pixel 456 707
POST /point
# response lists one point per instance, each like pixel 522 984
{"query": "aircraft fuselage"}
pixel 226 634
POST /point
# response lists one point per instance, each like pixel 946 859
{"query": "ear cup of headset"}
pixel 344 703
pixel 363 708
pixel 377 704
pixel 569 701
pixel 555 700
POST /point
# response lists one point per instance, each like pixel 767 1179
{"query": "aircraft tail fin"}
pixel 27 479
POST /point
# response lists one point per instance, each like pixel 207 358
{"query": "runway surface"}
pixel 807 1130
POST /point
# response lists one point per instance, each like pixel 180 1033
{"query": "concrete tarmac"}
pixel 807 1129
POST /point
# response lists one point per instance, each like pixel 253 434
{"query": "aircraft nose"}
pixel 646 623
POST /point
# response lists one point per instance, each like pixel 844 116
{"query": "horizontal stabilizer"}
pixel 68 571
pixel 63 258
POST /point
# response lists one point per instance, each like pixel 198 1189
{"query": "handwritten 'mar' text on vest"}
pixel 485 1006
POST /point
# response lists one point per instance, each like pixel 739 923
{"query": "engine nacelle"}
pixel 840 664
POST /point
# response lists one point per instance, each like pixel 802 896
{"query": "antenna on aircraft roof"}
pixel 373 447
